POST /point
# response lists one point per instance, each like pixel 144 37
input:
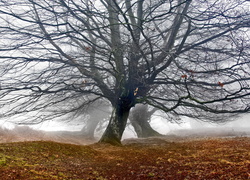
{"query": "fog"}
pixel 70 132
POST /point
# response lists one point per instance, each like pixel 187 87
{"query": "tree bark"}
pixel 117 122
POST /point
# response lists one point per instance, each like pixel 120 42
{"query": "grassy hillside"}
pixel 213 158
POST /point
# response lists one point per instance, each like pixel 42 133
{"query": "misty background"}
pixel 71 131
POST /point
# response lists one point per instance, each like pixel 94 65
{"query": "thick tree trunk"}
pixel 139 119
pixel 117 123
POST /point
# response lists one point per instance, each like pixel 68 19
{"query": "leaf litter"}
pixel 207 158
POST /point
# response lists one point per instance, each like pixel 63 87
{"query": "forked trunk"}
pixel 117 124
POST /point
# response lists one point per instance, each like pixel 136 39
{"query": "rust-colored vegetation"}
pixel 213 158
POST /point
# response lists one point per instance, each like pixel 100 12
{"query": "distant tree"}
pixel 140 118
pixel 180 56
pixel 97 114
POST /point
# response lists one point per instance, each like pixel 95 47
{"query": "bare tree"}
pixel 183 57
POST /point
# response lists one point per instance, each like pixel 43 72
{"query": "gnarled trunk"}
pixel 117 122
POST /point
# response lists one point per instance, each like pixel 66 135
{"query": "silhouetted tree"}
pixel 183 57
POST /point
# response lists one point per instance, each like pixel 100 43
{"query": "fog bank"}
pixel 69 132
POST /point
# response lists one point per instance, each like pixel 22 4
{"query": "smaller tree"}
pixel 140 117
pixel 96 113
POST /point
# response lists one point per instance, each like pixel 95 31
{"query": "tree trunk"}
pixel 139 119
pixel 117 122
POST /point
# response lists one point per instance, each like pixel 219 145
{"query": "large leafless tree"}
pixel 183 57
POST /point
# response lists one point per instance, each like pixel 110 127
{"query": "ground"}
pixel 151 158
